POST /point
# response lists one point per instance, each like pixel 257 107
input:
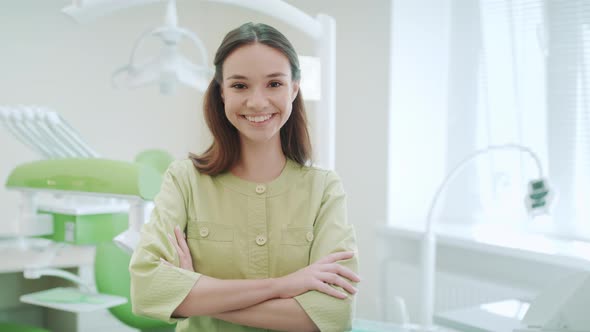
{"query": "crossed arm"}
pixel 264 303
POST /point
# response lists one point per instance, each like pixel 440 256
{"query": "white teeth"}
pixel 259 118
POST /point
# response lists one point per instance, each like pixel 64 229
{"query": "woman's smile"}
pixel 259 120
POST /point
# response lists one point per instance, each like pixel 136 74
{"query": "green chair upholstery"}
pixel 13 327
pixel 112 277
pixel 111 264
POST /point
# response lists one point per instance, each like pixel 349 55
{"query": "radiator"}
pixel 453 291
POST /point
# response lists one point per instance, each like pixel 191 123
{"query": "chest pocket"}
pixel 295 246
pixel 212 248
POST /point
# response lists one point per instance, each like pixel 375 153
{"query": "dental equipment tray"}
pixel 72 300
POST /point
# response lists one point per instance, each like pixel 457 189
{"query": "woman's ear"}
pixel 295 90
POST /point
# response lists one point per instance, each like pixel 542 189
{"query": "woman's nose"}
pixel 257 100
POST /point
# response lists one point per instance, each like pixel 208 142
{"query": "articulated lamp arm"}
pixel 537 200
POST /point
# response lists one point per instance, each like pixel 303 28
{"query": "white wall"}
pixel 418 92
pixel 49 60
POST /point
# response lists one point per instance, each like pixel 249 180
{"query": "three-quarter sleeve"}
pixel 157 289
pixel 332 233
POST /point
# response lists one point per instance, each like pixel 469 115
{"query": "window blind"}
pixel 534 89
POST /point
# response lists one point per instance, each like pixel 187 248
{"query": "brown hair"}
pixel 224 152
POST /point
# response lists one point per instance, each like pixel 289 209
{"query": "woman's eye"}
pixel 275 84
pixel 238 86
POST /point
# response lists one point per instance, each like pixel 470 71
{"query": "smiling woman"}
pixel 257 73
pixel 258 92
pixel 247 236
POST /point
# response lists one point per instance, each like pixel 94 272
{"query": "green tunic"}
pixel 242 230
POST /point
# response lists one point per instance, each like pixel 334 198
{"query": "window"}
pixel 518 72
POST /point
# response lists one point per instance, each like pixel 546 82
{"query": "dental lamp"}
pixel 169 65
pixel 537 202
pixel 167 68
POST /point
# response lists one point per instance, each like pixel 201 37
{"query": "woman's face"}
pixel 258 91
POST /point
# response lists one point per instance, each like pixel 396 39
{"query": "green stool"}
pixel 13 327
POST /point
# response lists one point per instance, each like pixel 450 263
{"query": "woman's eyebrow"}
pixel 236 77
pixel 242 77
pixel 278 74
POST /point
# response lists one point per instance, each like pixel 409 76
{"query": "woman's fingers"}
pixel 165 262
pixel 336 280
pixel 174 244
pixel 340 270
pixel 336 256
pixel 329 290
pixel 180 245
pixel 181 240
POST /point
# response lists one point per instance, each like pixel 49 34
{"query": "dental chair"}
pixel 74 174
pixel 136 183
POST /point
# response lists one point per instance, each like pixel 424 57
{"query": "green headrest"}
pixel 158 159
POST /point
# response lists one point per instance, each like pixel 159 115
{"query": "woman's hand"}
pixel 319 276
pixel 184 254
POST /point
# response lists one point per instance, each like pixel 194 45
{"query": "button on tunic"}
pixel 242 230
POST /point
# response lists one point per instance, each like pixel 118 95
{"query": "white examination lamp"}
pixel 169 67
pixel 537 202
